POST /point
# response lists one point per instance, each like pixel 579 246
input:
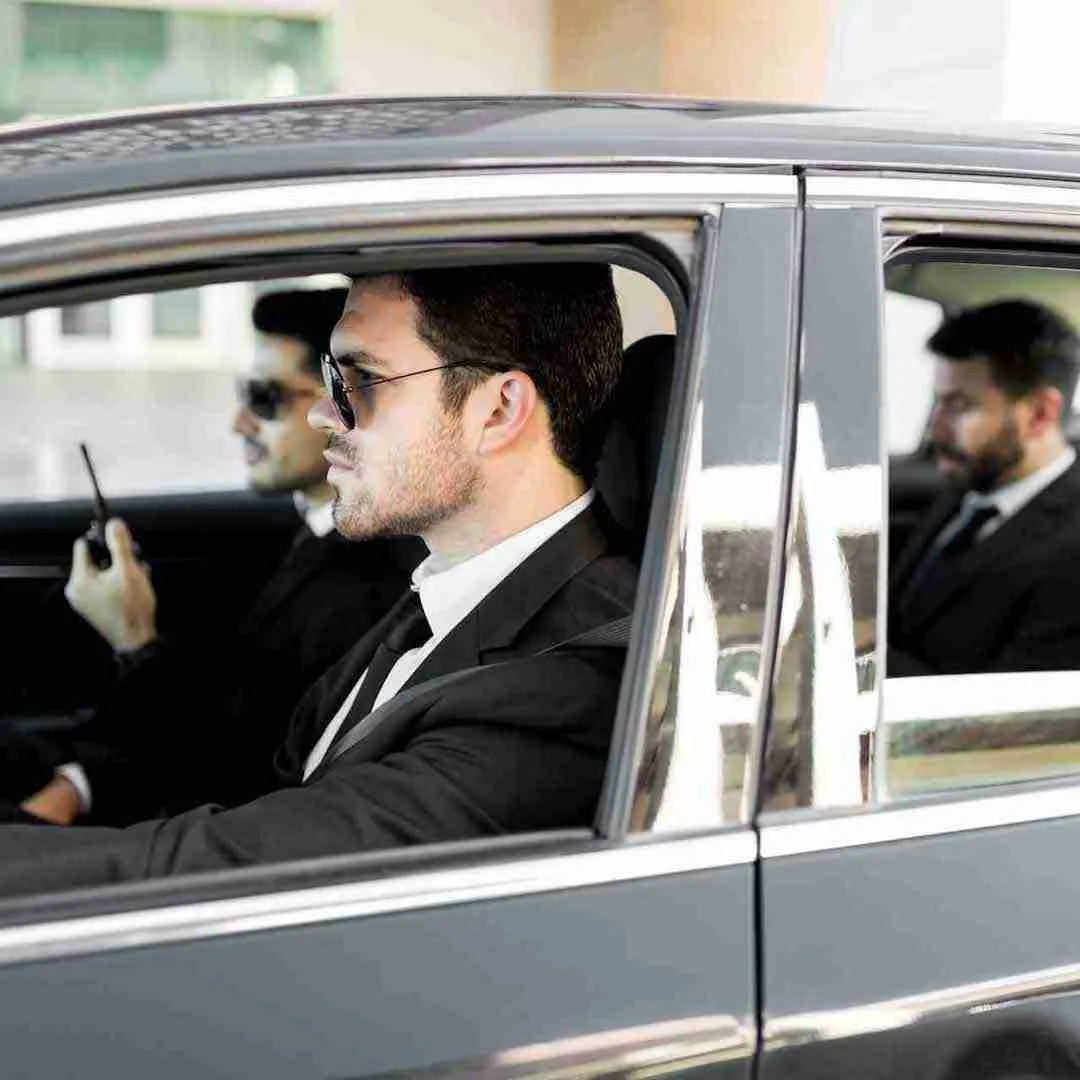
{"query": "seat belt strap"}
pixel 611 635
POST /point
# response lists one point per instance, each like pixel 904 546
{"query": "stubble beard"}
pixel 1004 453
pixel 982 472
pixel 422 487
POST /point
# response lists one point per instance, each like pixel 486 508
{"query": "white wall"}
pixel 1042 69
pixel 941 56
pixel 1010 60
pixel 442 46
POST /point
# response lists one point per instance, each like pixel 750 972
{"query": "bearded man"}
pixel 991 582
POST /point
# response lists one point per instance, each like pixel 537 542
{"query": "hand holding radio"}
pixel 109 586
pixel 95 535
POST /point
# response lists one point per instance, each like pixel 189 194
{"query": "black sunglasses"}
pixel 341 394
pixel 265 398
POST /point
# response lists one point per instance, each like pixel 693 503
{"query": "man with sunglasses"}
pixel 323 593
pixel 466 407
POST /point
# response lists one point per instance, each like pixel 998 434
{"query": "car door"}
pixel 629 949
pixel 918 901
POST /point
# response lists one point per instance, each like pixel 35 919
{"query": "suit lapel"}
pixel 307 556
pixel 1029 525
pixel 494 623
pixel 940 512
pixel 498 619
pixel 322 702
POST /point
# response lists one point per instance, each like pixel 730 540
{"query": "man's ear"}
pixel 510 401
pixel 1046 409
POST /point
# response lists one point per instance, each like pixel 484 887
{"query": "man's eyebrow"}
pixel 358 358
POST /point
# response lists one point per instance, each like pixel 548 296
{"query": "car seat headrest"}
pixel 630 455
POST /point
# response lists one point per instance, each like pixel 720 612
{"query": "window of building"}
pixel 78 58
pixel 86 320
pixel 177 313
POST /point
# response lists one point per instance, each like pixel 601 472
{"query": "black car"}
pixel 799 867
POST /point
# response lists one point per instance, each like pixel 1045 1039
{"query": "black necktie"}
pixel 409 630
pixel 933 570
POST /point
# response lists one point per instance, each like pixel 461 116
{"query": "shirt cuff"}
pixel 75 775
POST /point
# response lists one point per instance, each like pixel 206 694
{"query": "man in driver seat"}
pixel 463 408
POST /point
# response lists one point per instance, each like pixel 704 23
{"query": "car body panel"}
pixel 406 991
pixel 935 923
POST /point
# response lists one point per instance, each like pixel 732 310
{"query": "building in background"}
pixel 57 59
pixel 163 354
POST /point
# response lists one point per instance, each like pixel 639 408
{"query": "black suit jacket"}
pixel 518 744
pixel 201 721
pixel 1010 603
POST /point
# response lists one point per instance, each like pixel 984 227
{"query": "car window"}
pixel 170 390
pixel 909 322
pixel 983 645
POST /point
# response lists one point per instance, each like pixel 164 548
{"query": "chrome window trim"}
pixel 969 197
pixel 417 891
pixel 889 823
pixel 644 1051
pixel 799 1029
pixel 783 539
pixel 656 576
pixel 633 188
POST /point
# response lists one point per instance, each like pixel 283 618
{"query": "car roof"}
pixel 167 148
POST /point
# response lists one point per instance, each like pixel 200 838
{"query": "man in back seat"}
pixel 245 680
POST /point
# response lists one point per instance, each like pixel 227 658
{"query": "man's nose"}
pixel 322 416
pixel 244 422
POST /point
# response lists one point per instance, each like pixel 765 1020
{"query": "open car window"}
pixel 170 390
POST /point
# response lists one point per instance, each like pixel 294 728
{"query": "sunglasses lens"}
pixel 336 392
pixel 260 397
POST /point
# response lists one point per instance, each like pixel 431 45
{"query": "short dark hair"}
pixel 557 322
pixel 309 315
pixel 1027 346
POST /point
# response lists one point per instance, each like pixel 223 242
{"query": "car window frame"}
pixel 957 208
pixel 178 908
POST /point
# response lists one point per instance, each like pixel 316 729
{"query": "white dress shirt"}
pixel 1008 500
pixel 448 592
pixel 319 518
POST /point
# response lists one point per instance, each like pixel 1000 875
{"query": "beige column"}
pixel 749 50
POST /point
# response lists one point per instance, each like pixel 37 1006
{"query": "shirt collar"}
pixel 449 592
pixel 319 518
pixel 1015 496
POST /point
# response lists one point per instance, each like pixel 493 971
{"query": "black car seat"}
pixel 626 477
pixel 630 456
